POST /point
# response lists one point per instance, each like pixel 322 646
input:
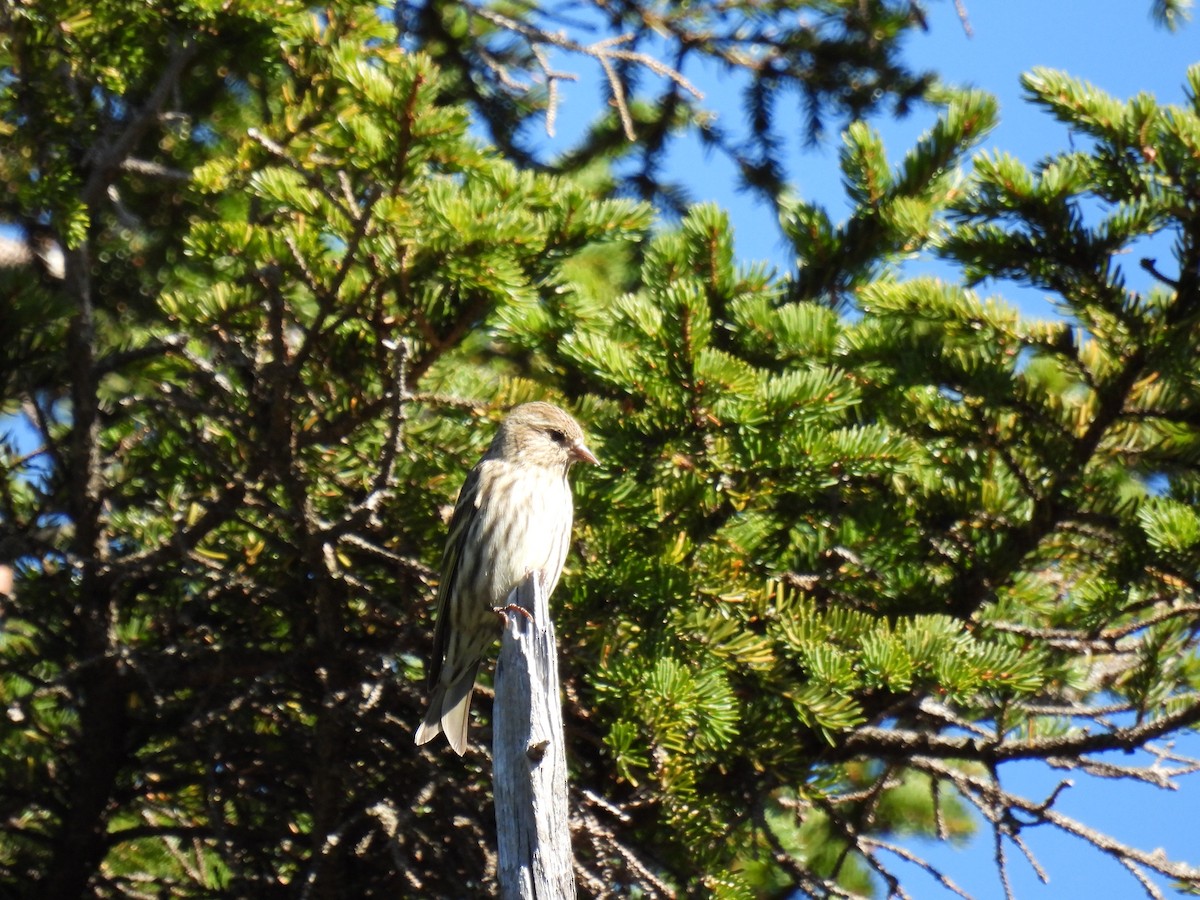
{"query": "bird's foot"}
pixel 503 611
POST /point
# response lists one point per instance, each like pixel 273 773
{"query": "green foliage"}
pixel 858 539
pixel 896 212
pixel 1171 14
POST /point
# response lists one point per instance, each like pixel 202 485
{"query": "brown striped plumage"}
pixel 513 517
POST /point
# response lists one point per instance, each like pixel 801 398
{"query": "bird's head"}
pixel 542 434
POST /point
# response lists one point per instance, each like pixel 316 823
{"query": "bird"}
pixel 512 517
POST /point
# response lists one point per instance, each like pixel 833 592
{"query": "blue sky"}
pixel 1114 45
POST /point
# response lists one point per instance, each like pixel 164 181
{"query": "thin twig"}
pixel 998 806
pixel 603 52
pixel 916 860
pixel 961 9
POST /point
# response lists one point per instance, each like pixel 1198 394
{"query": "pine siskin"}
pixel 513 517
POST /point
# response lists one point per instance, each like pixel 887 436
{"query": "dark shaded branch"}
pixel 896 743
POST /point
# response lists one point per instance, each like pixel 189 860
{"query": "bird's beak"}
pixel 581 453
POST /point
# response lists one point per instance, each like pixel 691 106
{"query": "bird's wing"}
pixel 469 498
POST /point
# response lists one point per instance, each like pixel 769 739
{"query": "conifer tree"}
pixel 860 540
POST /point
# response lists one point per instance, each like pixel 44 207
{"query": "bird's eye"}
pixel 557 436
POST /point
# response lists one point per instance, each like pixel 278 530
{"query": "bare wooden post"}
pixel 529 757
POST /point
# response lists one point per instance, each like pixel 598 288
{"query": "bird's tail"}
pixel 449 712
